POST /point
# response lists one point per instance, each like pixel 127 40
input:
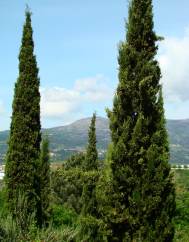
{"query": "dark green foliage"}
pixel 3 207
pixel 91 159
pixel 92 229
pixel 143 193
pixel 44 190
pixel 67 186
pixel 25 136
pixel 104 195
pixel 89 202
pixel 67 183
pixel 89 224
pixel 75 161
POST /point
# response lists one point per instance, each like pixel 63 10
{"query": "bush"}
pixel 63 216
pixel 67 186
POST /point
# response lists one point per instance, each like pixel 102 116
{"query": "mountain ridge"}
pixel 68 139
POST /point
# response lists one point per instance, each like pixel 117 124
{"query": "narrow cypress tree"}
pixel 91 167
pixel 91 160
pixel 89 223
pixel 25 131
pixel 43 208
pixel 143 189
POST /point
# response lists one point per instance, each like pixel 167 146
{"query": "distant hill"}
pixel 66 140
pixel 72 138
pixel 179 140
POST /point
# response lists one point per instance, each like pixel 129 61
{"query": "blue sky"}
pixel 76 48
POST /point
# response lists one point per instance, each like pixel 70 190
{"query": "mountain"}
pixel 72 138
pixel 66 140
pixel 178 131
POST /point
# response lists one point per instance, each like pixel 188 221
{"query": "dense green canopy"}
pixel 143 189
pixel 25 132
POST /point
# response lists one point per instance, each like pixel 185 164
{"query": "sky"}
pixel 76 46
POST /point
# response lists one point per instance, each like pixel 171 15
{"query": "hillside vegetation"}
pixel 68 139
pixel 182 201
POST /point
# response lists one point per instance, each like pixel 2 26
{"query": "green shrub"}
pixel 63 216
pixel 67 186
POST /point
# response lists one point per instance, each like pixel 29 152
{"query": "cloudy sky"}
pixel 76 48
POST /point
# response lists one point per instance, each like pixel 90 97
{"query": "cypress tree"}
pixel 91 160
pixel 143 191
pixel 89 223
pixel 43 208
pixel 25 131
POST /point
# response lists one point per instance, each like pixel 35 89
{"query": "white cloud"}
pixel 94 89
pixel 58 101
pixel 174 62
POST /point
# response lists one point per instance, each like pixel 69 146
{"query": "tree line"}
pixel 130 195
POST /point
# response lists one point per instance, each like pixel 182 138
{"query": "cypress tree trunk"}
pixel 25 135
pixel 143 190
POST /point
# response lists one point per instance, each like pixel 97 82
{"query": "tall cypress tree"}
pixel 143 189
pixel 25 131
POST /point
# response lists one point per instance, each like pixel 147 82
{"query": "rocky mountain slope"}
pixel 72 138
